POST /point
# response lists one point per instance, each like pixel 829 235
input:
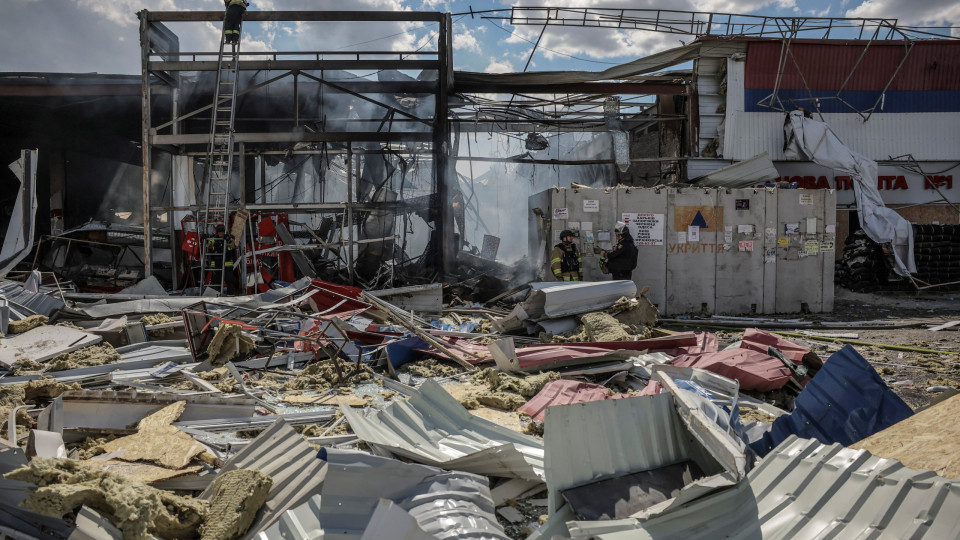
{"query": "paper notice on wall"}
pixel 806 199
pixel 646 229
pixel 586 225
pixel 746 245
pixel 791 228
pixel 681 238
pixel 811 247
pixel 830 229
pixel 728 236
pixel 573 225
pixel 783 241
pixel 826 246
pixel 561 213
pixel 603 236
pixel 693 233
pixel 591 205
pixel 770 232
pixel 812 225
pixel 745 229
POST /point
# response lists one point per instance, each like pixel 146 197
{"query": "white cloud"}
pixel 917 12
pixel 464 40
pixel 499 65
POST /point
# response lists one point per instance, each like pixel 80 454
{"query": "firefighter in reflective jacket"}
pixel 231 20
pixel 222 246
pixel 565 261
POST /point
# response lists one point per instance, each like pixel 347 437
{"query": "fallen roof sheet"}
pixel 604 439
pixel 418 298
pixel 845 402
pixel 434 428
pixel 926 440
pixel 135 357
pixel 43 343
pixel 444 504
pixel 743 174
pixel 79 411
pixel 176 304
pixel 565 392
pixel 754 370
pixel 390 522
pixel 21 228
pixel 572 298
pixel 760 341
pixel 40 304
pixel 282 454
pixel 805 489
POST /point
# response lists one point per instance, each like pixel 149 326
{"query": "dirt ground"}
pixel 908 373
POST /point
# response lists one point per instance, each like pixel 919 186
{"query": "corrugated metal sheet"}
pixel 754 370
pixel 438 503
pixel 417 298
pixel 283 455
pixel 433 428
pixel 564 392
pixel 931 65
pixel 173 304
pixel 573 298
pixel 845 402
pixel 445 504
pixel 808 490
pixel 390 522
pixel 602 439
pixel 747 173
pixel 928 136
pixel 40 304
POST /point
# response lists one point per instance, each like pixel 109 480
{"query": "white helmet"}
pixel 621 226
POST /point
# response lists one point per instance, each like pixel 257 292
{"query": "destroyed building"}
pixel 391 356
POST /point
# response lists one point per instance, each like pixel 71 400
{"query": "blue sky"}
pixel 101 35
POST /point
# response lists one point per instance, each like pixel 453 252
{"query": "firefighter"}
pixel 231 20
pixel 622 259
pixel 222 245
pixel 565 260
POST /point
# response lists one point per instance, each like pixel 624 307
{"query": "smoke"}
pixel 496 193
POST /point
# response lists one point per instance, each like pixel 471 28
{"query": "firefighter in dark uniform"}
pixel 222 243
pixel 231 20
pixel 565 261
pixel 622 259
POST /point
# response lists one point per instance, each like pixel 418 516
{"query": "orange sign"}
pixel 708 218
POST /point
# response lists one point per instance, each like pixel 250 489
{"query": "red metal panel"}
pixel 564 393
pixel 931 65
pixel 760 341
pixel 754 370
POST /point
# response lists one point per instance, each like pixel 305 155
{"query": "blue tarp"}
pixel 401 351
pixel 845 402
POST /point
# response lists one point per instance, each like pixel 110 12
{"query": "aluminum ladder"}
pixel 216 205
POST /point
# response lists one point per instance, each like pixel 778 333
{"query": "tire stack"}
pixel 861 268
pixel 937 252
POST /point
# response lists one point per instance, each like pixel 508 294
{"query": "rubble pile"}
pixel 573 413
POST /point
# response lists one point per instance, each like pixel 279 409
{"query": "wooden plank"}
pixel 929 440
pixel 944 326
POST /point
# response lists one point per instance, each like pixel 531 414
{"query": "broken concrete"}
pixel 63 485
pixel 236 497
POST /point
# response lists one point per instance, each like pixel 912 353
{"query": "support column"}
pixel 443 165
pixel 145 140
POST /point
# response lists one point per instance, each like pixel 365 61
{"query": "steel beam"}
pixel 293 65
pixel 573 88
pixel 292 137
pixel 309 16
